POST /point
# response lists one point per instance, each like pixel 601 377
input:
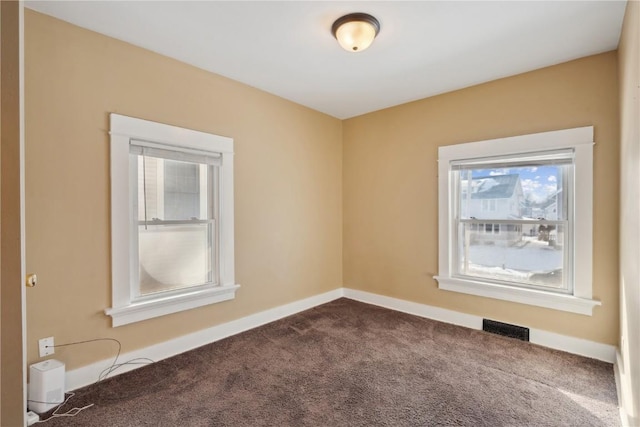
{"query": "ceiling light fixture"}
pixel 355 32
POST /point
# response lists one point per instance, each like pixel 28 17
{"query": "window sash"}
pixel 208 178
pixel 458 168
pixel 486 230
pixel 457 193
pixel 174 288
pixel 212 209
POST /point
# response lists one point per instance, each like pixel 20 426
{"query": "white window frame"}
pixel 124 309
pixel 580 140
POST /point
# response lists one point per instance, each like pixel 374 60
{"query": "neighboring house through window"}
pixel 172 219
pixel 515 219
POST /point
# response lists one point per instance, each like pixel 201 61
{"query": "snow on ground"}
pixel 535 256
pixel 514 263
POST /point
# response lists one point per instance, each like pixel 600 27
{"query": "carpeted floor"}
pixel 351 364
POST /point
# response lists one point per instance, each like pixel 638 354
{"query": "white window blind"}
pixel 556 157
pixel 164 151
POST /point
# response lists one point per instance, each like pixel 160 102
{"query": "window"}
pixel 513 222
pixel 172 219
pixel 176 212
pixel 488 205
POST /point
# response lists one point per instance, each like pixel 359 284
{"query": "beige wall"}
pixel 629 65
pixel 313 194
pixel 288 184
pixel 12 404
pixel 390 186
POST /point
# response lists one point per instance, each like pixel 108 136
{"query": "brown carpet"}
pixel 347 363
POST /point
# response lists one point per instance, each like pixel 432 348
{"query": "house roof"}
pixel 494 186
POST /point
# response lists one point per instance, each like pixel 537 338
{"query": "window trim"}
pixel 578 139
pixel 124 129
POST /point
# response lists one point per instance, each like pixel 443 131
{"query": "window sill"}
pixel 160 306
pixel 534 297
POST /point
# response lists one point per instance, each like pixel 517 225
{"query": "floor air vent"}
pixel 505 329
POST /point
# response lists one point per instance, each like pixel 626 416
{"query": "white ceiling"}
pixel 424 47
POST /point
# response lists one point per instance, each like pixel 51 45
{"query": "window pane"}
pixel 529 255
pixel 181 190
pixel 172 189
pixel 148 191
pixel 174 256
pixel 521 192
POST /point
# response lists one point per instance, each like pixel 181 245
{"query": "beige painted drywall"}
pixel 12 404
pixel 288 185
pixel 390 186
pixel 313 194
pixel 629 66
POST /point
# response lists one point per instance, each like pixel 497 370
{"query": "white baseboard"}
pixel 623 385
pixel 569 344
pixel 422 310
pixel 579 346
pixel 89 374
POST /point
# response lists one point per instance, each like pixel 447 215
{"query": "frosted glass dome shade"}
pixel 356 32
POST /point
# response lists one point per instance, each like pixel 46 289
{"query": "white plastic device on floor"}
pixel 46 385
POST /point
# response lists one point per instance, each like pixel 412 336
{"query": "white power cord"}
pixel 70 413
pixel 103 375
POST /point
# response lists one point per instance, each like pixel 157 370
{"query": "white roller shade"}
pixel 163 151
pixel 556 157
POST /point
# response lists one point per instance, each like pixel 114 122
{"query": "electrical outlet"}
pixel 45 345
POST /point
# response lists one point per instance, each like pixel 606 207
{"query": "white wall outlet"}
pixel 45 345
